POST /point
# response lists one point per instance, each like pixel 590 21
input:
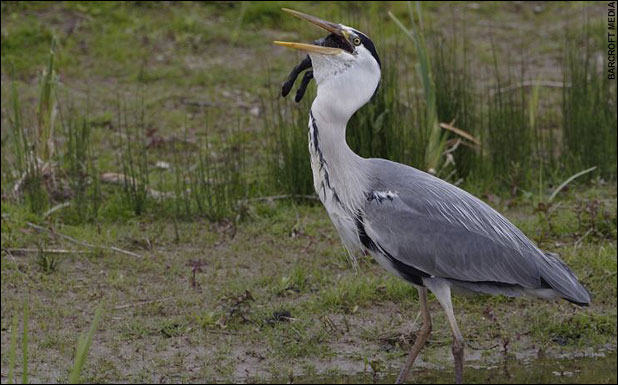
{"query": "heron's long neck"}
pixel 343 169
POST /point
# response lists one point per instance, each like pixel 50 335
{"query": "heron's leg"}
pixel 442 291
pixel 421 337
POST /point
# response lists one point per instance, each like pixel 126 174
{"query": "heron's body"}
pixel 419 227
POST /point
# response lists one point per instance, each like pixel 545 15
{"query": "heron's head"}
pixel 345 63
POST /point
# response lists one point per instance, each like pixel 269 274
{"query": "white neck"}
pixel 345 83
pixel 346 170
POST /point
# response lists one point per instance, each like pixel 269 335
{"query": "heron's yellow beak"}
pixel 327 25
pixel 310 48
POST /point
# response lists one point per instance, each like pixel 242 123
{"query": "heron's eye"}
pixel 356 41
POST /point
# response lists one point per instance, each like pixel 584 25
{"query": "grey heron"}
pixel 429 232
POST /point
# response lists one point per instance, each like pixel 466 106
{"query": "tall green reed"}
pixel 507 136
pixel 216 180
pixel 133 155
pixel 588 107
pixel 206 176
pixel 47 109
pixel 28 179
pixel 456 99
pixel 81 167
pixel 287 145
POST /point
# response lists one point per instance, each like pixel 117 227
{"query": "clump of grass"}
pixel 579 328
pixel 208 319
pixel 219 179
pixel 28 179
pixel 588 109
pixel 171 328
pixel 81 168
pixel 38 147
pixel 506 135
pixel 41 174
pixel 47 109
pixel 456 100
pixel 47 262
pixel 289 167
pixel 24 345
pixel 211 181
pixel 294 282
pixel 348 294
pixel 134 157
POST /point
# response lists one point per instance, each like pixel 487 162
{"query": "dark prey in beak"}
pixel 303 65
pixel 287 86
pixel 331 40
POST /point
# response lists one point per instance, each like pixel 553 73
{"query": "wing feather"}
pixel 446 232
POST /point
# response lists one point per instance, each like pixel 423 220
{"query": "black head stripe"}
pixel 367 43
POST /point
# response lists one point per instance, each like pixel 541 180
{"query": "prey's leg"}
pixel 421 337
pixel 287 86
pixel 303 86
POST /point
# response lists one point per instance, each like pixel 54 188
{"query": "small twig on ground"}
pixel 140 303
pixel 479 347
pixel 537 83
pixel 460 132
pixel 279 197
pixel 86 244
pixel 116 178
pixel 196 103
pixel 221 332
pixel 49 251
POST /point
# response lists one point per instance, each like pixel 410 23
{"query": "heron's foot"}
pixel 458 356
pixel 421 338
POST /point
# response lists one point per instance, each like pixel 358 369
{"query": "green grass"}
pixel 336 311
pixel 83 346
pixel 13 349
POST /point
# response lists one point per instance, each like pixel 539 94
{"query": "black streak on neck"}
pixel 315 140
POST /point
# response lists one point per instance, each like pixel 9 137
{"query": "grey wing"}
pixel 443 231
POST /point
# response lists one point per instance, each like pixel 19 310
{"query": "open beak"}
pixel 326 25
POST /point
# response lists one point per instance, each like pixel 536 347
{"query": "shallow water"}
pixel 558 371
